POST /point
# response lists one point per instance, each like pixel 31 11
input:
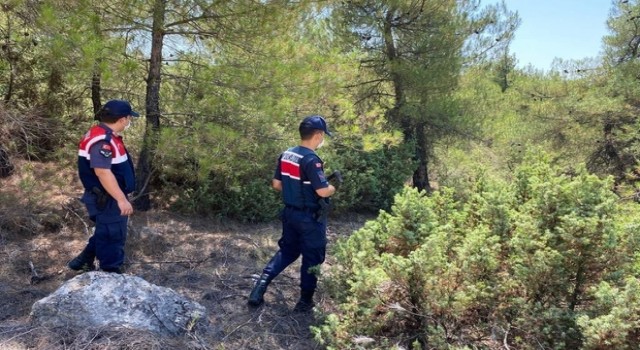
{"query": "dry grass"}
pixel 211 262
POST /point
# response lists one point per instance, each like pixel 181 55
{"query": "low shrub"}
pixel 506 263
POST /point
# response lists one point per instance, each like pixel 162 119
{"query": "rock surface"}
pixel 100 299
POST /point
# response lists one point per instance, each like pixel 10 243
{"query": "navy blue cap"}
pixel 315 122
pixel 119 108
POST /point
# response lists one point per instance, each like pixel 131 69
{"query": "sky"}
pixel 567 29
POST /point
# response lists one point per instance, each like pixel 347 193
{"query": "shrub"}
pixel 372 177
pixel 513 263
pixel 201 174
pixel 617 326
pixel 254 201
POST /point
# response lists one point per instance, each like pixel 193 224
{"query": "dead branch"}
pixel 86 227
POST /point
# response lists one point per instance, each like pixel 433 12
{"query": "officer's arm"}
pixel 326 191
pixel 314 172
pixel 276 184
pixel 110 184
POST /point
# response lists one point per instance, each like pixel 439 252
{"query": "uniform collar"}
pixel 108 129
pixel 104 126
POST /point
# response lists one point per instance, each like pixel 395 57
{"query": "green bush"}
pixel 254 201
pixel 513 263
pixel 201 174
pixel 372 177
pixel 617 326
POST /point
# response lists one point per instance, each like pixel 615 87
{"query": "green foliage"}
pixel 571 116
pixel 214 179
pixel 616 327
pixel 585 111
pixel 372 175
pixel 412 56
pixel 253 201
pixel 515 262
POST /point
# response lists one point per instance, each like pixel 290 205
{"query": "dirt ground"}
pixel 214 262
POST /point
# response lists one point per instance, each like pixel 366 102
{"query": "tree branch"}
pixel 191 20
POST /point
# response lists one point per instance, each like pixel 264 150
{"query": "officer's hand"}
pixel 126 208
pixel 335 175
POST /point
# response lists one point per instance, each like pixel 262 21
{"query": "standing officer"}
pixel 300 177
pixel 106 172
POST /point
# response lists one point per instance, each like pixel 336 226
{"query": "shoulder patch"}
pixel 318 165
pixel 106 151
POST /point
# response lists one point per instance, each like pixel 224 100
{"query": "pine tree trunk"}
pixel 7 47
pixel 411 132
pixel 421 174
pixel 95 91
pixel 152 132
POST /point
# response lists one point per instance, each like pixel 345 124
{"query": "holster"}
pixel 101 198
pixel 325 208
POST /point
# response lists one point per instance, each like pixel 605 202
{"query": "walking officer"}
pixel 106 172
pixel 300 177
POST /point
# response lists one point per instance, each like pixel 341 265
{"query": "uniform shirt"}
pixel 100 155
pixel 101 148
pixel 301 172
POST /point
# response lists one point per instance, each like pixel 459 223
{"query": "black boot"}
pixel 257 294
pixel 305 303
pixel 82 262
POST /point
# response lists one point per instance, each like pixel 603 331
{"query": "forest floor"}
pixel 214 262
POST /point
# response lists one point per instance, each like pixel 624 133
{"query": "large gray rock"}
pixel 100 299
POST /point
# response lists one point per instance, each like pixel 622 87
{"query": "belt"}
pixel 304 209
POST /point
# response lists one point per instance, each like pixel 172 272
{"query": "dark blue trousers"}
pixel 302 235
pixel 107 242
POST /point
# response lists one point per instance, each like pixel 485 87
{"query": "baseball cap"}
pixel 315 122
pixel 119 108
